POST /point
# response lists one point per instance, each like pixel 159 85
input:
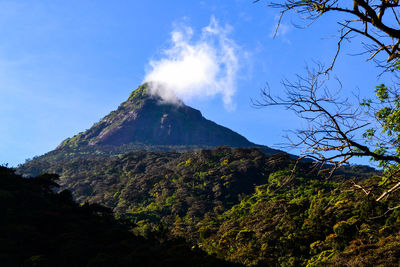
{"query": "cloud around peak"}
pixel 196 67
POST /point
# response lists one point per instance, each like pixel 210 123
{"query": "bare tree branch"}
pixel 367 18
pixel 333 123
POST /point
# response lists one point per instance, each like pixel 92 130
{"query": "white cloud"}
pixel 196 68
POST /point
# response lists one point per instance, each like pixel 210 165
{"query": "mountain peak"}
pixel 145 119
pixel 142 93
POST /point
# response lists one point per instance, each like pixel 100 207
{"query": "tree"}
pixel 377 21
pixel 338 130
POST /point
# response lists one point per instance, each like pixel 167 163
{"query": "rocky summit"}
pixel 146 119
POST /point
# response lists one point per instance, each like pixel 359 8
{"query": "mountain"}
pixel 144 120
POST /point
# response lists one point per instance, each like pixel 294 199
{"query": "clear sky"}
pixel 66 64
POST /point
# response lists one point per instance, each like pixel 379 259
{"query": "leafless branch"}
pixel 375 20
pixel 333 123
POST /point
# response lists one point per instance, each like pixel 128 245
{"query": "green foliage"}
pixel 238 204
pixel 43 228
pixel 384 136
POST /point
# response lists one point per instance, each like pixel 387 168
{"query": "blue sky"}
pixel 66 64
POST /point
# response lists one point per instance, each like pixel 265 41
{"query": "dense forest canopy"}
pixel 44 228
pixel 241 205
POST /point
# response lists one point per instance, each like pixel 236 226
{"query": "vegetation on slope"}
pixel 43 228
pixel 298 220
pixel 243 206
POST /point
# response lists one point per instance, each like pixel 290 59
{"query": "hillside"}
pixel 121 182
pixel 244 206
pixel 43 228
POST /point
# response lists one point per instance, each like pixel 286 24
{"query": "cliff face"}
pixel 144 119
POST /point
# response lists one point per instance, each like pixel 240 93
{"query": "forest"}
pixel 45 228
pixel 241 205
